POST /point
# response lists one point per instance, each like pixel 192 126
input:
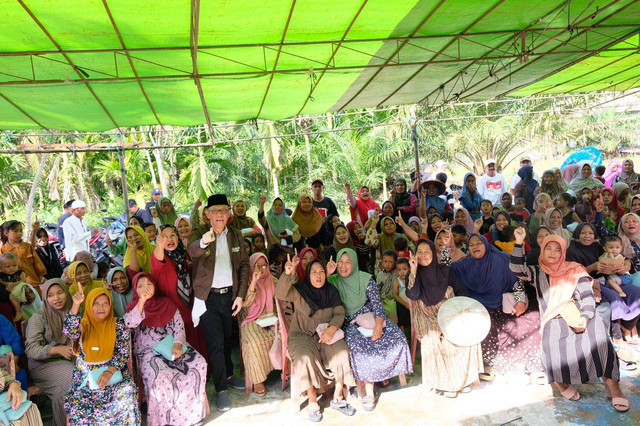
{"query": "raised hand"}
pixel 35 226
pixel 209 237
pixel 447 239
pixel 198 203
pixel 400 220
pixel 78 297
pixel 290 266
pixel 413 263
pixel 263 198
pixel 477 224
pixel 347 186
pixel 256 275
pixel 424 225
pixel 161 241
pixel 520 234
pixel 331 266
pixel 598 203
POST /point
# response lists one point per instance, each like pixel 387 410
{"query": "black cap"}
pixel 217 200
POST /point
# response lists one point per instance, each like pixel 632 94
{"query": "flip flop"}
pixel 368 402
pixel 571 393
pixel 621 405
pixel 314 414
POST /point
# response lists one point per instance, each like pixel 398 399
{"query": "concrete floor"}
pixel 496 403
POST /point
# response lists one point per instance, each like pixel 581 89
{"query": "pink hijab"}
pixel 185 240
pixel 610 175
pixel 456 253
pixel 265 290
pixel 468 220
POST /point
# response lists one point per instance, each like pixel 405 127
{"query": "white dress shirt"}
pixel 222 274
pixel 76 236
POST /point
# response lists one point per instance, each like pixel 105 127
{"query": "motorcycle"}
pixel 113 230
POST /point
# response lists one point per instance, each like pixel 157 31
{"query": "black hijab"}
pixel 432 280
pixel 324 297
pixel 179 257
pixel 534 254
pixel 430 232
pixel 578 252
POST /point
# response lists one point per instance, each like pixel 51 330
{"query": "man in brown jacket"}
pixel 220 280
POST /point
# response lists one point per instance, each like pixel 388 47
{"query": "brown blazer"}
pixel 205 264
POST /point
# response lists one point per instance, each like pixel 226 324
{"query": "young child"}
pixel 259 244
pixel 486 209
pixel 447 218
pixel 507 239
pixel 10 276
pixel 401 246
pixel 276 257
pixel 248 245
pixel 609 223
pixel 612 256
pixel 459 234
pixel 399 289
pixel 28 299
pixel 520 208
pixel 385 279
pixel 150 231
pixel 28 260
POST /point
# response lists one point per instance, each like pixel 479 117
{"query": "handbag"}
pixel 94 375
pixel 338 335
pixel 509 303
pixel 275 352
pixel 165 347
pixel 368 320
pixel 7 414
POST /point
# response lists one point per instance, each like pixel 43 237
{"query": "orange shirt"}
pixel 28 261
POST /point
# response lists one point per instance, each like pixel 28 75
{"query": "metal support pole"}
pixel 414 136
pixel 123 178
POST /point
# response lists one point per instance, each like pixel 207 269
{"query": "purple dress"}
pixel 382 359
pixel 175 389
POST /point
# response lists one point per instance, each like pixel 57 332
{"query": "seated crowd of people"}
pixel 555 261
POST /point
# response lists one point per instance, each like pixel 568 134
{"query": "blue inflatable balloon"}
pixel 589 153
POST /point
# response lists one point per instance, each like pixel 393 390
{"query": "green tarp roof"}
pixel 100 64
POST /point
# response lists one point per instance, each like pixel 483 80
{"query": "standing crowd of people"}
pixel 554 261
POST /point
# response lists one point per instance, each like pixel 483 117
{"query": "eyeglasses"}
pixel 263 266
pixel 218 211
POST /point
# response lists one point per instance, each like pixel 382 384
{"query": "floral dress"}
pixel 112 405
pixel 376 360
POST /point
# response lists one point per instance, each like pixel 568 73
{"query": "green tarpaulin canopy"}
pixel 97 65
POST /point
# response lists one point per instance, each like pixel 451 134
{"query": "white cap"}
pixel 440 163
pixel 78 204
pixel 490 161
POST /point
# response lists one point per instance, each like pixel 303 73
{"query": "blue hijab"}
pixel 486 278
pixel 436 202
pixel 470 201
pixel 526 175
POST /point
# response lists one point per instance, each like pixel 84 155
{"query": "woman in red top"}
pixel 171 270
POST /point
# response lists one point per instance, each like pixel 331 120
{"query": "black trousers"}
pixel 216 327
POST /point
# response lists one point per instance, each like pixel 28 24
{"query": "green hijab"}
pixel 169 218
pixel 352 289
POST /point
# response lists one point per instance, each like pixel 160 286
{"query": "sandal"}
pixel 342 406
pixel 450 394
pixel 488 375
pixel 571 393
pixel 368 403
pixel 466 389
pixel 260 392
pixel 621 405
pixel 314 414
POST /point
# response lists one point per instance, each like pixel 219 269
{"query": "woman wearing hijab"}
pixel 183 226
pixel 433 190
pixel 48 349
pixel 611 201
pixel 628 175
pixel 166 212
pixel 174 388
pixel 360 208
pixel 317 358
pixel 79 275
pixel 48 254
pixel 306 255
pixel 386 354
pixel 549 185
pixel 241 221
pixel 497 234
pixel 560 180
pixel 583 178
pixel 121 290
pixel 279 228
pixel 470 199
pixel 341 239
pixel 403 200
pixel 553 221
pixel 615 310
pixel 537 237
pixel 446 367
pixel 99 340
pixel 388 210
pixel 513 337
pixel 139 250
pixel 310 222
pixel 171 270
pixel 526 187
pixel 364 251
pixel 442 243
pixel 464 218
pixel 614 168
pixel 622 191
pixel 255 341
pixel 575 345
pixel 121 246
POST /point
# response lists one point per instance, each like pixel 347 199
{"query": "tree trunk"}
pixel 159 155
pixel 32 193
pixel 306 125
pixel 151 169
pixel 274 178
pixel 66 188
